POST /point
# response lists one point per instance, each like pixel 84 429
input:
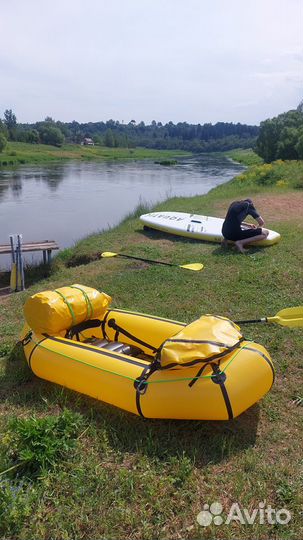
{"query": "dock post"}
pixel 13 277
pixel 20 261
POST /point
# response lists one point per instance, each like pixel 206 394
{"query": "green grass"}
pixel 16 154
pixel 132 478
pixel 245 156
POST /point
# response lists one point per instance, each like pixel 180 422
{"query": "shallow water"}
pixel 65 202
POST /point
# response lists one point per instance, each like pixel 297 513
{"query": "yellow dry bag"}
pixel 205 339
pixel 51 312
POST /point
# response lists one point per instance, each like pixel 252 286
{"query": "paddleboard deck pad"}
pixel 195 226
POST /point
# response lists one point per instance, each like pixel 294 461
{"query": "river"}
pixel 66 202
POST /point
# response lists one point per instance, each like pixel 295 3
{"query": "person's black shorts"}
pixel 242 234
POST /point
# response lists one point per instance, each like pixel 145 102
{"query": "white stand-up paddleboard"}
pixel 194 226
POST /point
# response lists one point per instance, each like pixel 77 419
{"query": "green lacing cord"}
pixel 89 306
pixel 236 354
pixel 131 378
pixel 69 306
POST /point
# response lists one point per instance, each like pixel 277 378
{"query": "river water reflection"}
pixel 65 202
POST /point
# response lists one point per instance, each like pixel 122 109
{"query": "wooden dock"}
pixel 47 246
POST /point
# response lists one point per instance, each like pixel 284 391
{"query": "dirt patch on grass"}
pixel 274 206
pixel 282 207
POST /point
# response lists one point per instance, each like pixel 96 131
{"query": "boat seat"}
pixel 114 346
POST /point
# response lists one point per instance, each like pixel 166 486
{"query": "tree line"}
pixel 183 136
pixel 277 138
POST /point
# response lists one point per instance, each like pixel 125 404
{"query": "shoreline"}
pixel 18 154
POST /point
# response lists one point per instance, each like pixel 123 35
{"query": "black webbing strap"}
pixel 219 377
pixel 104 334
pixel 112 324
pixel 196 378
pixel 85 325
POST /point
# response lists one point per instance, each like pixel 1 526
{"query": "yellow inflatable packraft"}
pixel 147 365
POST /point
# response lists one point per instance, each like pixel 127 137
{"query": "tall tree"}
pixel 109 138
pixel 300 107
pixel 278 137
pixel 10 121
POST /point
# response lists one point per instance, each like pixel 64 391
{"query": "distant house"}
pixel 88 142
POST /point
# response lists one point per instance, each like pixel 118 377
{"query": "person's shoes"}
pixel 224 243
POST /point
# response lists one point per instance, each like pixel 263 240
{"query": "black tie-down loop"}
pixel 218 377
pixel 141 384
pixel 27 338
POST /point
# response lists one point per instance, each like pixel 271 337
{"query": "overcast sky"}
pixel 181 60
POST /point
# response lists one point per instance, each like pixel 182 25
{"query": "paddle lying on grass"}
pixel 292 317
pixel 193 266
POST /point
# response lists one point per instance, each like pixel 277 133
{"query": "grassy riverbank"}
pixel 244 156
pixel 33 154
pixel 118 476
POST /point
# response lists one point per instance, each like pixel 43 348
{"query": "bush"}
pixel 51 135
pixel 278 173
pixel 37 444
